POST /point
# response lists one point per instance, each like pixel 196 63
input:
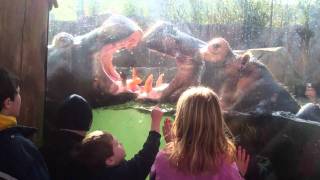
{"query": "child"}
pixel 102 156
pixel 19 157
pixel 74 121
pixel 201 146
pixel 311 93
pixel 311 110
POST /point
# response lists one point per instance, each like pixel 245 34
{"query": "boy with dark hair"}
pixel 19 157
pixel 102 156
pixel 74 120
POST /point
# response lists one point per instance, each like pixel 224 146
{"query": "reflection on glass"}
pixel 259 56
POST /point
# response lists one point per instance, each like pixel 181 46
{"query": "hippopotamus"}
pixel 243 83
pixel 281 145
pixel 261 114
pixel 83 64
pixel 165 38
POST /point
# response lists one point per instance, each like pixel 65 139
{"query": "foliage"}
pixel 255 19
pixel 130 9
pixel 285 12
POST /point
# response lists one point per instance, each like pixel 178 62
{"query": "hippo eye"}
pixel 170 30
pixel 215 46
pixel 64 39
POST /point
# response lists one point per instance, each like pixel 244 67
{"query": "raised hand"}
pixel 156 115
pixel 242 160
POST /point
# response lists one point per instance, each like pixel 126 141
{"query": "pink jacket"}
pixel 164 171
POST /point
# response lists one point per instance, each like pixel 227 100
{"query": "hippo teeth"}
pixel 122 84
pixel 148 84
pixel 159 81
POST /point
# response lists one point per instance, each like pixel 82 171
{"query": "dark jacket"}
pixel 136 168
pixel 57 153
pixel 19 157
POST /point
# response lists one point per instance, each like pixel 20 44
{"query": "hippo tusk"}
pixel 148 84
pixel 135 81
pixel 159 81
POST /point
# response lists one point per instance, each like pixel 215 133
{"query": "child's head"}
pixel 9 94
pixel 99 149
pixel 199 132
pixel 75 113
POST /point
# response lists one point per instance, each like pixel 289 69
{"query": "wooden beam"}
pixel 23 50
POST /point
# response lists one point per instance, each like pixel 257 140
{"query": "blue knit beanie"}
pixel 75 113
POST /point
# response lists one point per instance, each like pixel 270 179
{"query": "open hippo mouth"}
pixel 108 68
pixel 164 38
pixel 118 33
pixel 122 82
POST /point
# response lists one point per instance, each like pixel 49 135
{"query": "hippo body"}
pixel 290 146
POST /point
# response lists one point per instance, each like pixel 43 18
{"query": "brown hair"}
pixel 201 138
pixel 96 147
pixel 9 84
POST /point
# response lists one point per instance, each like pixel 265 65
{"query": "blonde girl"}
pixel 202 145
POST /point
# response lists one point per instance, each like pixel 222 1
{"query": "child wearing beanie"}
pixel 74 120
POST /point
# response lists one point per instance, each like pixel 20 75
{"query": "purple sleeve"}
pixel 235 171
pixel 155 166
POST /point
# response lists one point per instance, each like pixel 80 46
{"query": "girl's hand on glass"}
pixel 166 130
pixel 242 160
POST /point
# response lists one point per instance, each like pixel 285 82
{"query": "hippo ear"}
pixel 245 59
pixel 62 40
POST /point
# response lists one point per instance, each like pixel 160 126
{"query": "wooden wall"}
pixel 23 42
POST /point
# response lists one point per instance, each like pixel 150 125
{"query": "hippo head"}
pixel 164 37
pixel 83 64
pixel 219 56
pixel 115 35
pixel 217 51
pixel 116 30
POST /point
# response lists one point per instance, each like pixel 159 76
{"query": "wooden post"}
pixel 23 50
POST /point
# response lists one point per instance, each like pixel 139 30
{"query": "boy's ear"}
pixel 109 161
pixel 7 103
